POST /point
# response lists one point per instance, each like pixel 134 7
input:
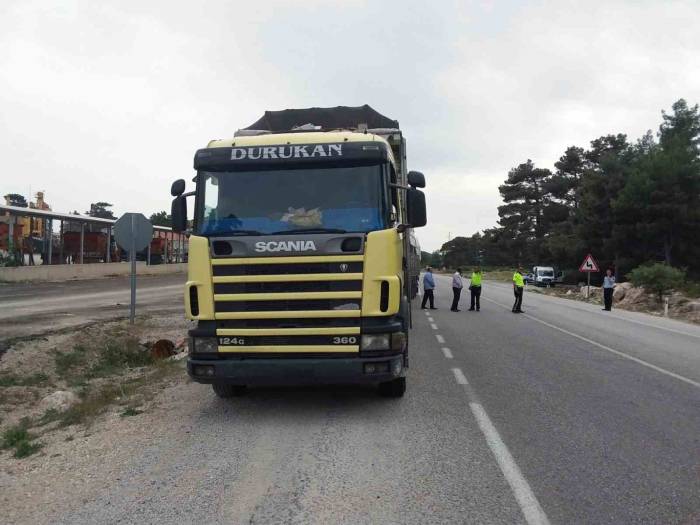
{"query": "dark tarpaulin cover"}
pixel 328 118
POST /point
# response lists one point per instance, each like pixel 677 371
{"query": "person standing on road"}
pixel 518 286
pixel 608 287
pixel 456 289
pixel 475 289
pixel 428 287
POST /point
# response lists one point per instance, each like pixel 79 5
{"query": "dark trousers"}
pixel 517 306
pixel 428 296
pixel 456 292
pixel 607 298
pixel 476 297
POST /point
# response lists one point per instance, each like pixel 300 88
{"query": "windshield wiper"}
pixel 246 232
pixel 309 230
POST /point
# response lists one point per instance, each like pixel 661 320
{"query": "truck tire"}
pixel 225 391
pixel 394 388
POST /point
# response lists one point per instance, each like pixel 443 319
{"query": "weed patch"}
pixel 19 438
pixel 110 355
pixel 27 448
pixel 131 412
pixel 67 363
pixel 89 408
pixel 114 357
pixel 32 380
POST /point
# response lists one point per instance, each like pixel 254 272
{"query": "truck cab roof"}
pixel 312 137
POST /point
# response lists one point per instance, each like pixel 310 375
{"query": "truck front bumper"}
pixel 285 371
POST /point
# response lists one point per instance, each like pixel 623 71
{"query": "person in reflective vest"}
pixel 518 286
pixel 475 289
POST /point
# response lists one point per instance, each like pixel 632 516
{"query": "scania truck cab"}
pixel 299 269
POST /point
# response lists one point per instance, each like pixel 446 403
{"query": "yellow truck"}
pixel 299 269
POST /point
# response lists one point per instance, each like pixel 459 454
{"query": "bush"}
pixel 19 438
pixel 657 278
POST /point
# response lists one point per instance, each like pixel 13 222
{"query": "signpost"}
pixel 589 265
pixel 133 232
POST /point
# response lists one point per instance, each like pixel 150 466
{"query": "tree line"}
pixel 627 203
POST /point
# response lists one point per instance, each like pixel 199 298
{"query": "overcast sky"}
pixel 109 100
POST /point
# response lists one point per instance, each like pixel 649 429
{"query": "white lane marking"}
pixel 431 320
pixel 608 349
pixel 433 326
pixel 459 376
pixel 440 339
pixel 447 352
pixel 530 507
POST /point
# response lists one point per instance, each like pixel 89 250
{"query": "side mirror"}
pixel 416 179
pixel 178 188
pixel 178 212
pixel 415 205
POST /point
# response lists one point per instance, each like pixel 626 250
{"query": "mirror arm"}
pixel 402 227
pixel 399 186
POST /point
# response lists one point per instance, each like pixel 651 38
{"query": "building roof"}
pixel 46 214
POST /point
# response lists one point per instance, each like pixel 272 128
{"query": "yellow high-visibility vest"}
pixel 476 279
pixel 518 280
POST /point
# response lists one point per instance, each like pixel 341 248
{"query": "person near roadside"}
pixel 428 287
pixel 608 287
pixel 518 287
pixel 457 285
pixel 475 289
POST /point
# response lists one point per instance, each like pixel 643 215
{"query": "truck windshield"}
pixel 258 202
pixel 546 273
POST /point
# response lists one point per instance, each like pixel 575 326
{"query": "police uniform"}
pixel 518 286
pixel 475 288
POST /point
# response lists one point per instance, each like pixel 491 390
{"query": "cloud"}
pixel 109 101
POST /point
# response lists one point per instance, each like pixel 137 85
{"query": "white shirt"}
pixel 457 280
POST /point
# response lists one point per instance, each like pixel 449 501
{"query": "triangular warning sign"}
pixel 589 264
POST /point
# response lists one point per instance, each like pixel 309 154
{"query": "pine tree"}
pixel 523 215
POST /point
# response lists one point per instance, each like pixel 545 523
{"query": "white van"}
pixel 543 276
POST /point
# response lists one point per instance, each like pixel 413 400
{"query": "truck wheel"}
pixel 224 391
pixel 394 388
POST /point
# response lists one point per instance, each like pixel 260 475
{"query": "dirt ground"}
pixel 72 450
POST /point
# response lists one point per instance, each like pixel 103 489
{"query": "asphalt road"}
pixel 28 309
pixel 564 414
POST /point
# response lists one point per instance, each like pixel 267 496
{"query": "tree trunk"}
pixel 668 245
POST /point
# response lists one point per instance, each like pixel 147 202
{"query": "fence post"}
pixel 82 241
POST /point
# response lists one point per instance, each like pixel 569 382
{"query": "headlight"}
pixel 398 341
pixel 375 342
pixel 204 345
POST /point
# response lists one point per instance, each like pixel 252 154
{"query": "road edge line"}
pixel 608 349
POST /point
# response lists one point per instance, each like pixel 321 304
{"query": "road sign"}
pixel 133 232
pixel 133 227
pixel 589 265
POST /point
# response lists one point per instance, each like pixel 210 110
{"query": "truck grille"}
pixel 296 305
